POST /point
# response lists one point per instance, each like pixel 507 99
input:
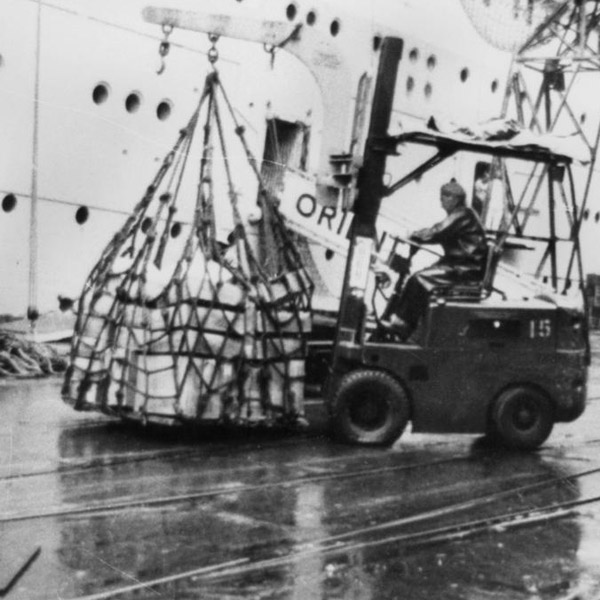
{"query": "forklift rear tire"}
pixel 369 407
pixel 522 418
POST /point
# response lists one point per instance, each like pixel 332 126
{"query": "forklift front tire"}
pixel 522 418
pixel 369 407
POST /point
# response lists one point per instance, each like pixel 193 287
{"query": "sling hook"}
pixel 213 53
pixel 164 47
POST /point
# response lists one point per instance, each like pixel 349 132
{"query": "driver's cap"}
pixel 453 188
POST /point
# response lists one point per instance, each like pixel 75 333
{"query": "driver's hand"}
pixel 382 279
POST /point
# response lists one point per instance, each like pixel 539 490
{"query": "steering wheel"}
pixel 400 264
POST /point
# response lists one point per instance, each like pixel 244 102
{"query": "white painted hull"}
pixel 102 155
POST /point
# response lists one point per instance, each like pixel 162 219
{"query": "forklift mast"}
pixel 370 192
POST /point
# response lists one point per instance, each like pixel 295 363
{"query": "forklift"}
pixel 481 361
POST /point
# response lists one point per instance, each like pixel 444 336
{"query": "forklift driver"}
pixel 462 238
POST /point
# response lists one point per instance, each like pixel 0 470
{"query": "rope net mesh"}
pixel 507 24
pixel 196 330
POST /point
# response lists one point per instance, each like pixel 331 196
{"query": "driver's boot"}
pixel 396 327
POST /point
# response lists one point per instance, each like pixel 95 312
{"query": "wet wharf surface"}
pixel 93 508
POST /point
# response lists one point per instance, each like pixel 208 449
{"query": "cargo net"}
pixel 216 334
pixel 508 24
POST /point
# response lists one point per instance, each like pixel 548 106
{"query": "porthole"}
pixel 1 61
pixel 82 215
pixel 9 203
pixel 175 230
pixel 413 55
pixel 163 110
pixel 494 86
pixel 329 254
pixel 376 42
pixel 431 62
pixel 464 74
pixel 428 90
pixel 583 118
pixel 291 11
pixel 410 85
pixel 597 217
pixel 335 27
pixel 100 93
pixel 146 224
pixel 311 17
pixel 586 214
pixel 133 102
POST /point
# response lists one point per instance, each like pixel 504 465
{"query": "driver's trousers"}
pixel 412 302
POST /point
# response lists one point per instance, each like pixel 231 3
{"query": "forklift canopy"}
pixel 501 138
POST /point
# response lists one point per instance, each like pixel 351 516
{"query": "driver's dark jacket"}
pixel 462 237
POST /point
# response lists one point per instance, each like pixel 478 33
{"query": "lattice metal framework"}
pixel 554 69
pixel 548 70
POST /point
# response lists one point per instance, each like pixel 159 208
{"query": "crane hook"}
pixel 164 47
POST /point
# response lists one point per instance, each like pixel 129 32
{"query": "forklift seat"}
pixel 476 289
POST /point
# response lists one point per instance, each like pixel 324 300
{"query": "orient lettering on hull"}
pixel 323 216
pixel 336 221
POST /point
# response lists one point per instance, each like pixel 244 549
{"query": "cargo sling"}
pixel 203 331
